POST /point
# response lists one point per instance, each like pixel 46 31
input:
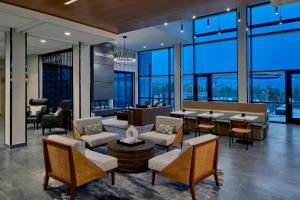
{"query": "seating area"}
pixel 149 100
pixel 72 162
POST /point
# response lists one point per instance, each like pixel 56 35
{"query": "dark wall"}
pixel 103 71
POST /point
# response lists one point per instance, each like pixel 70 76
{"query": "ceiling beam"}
pixel 29 26
pixel 51 38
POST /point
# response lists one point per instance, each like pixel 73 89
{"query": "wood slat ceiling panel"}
pixel 119 16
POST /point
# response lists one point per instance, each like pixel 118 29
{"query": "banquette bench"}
pixel 260 125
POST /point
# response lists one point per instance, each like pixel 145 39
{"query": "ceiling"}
pixel 120 16
pixel 152 37
pixel 43 27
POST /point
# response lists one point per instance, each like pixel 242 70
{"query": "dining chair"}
pixel 240 127
pixel 204 123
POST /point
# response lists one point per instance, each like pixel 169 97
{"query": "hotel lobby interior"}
pixel 132 99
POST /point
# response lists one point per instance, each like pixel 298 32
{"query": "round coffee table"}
pixel 132 159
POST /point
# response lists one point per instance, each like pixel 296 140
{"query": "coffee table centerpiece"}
pixel 133 154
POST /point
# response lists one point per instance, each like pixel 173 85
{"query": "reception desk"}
pixel 146 116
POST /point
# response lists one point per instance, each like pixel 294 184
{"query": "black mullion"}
pixel 209 88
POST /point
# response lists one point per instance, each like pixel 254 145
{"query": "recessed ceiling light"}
pixel 67 33
pixel 166 23
pixel 43 41
pixel 162 44
pixel 227 9
pixel 116 42
pixel 194 17
pixel 70 2
pixel 145 47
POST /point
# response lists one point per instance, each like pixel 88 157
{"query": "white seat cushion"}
pixel 158 138
pixel 99 139
pixel 197 140
pixel 78 145
pixel 158 163
pixel 104 162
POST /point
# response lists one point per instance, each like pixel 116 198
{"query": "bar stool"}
pixel 205 123
pixel 241 128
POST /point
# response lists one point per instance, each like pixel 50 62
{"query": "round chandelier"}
pixel 124 56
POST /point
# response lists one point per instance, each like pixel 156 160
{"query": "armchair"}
pixel 197 160
pixel 67 161
pixel 36 110
pixel 163 139
pixel 94 140
pixel 59 120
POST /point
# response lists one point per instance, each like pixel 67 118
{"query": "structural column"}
pixel 242 56
pixel 81 81
pixel 177 77
pixel 15 89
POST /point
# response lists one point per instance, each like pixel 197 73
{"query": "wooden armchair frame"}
pixel 65 164
pixel 178 139
pixel 193 166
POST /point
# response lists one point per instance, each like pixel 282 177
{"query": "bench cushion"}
pixel 99 139
pixel 104 162
pixel 78 145
pixel 160 162
pixel 158 138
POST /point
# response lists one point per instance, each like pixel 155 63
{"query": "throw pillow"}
pixel 57 112
pixel 93 129
pixel 35 109
pixel 164 128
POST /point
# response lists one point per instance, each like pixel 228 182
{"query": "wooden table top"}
pixel 115 146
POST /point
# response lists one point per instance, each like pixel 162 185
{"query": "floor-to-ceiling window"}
pixel 123 89
pixel 274 43
pixel 210 63
pixel 156 82
pixel 57 77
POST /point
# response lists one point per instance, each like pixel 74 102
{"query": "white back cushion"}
pixel 81 123
pixel 172 121
pixel 78 145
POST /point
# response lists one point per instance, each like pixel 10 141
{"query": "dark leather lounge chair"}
pixel 59 120
pixel 36 118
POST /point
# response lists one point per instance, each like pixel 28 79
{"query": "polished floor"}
pixel 270 170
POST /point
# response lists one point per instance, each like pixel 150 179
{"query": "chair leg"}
pixel 193 194
pixel 66 131
pixel 167 148
pixel 229 139
pixel 43 131
pixel 247 141
pixel 46 180
pixel 72 193
pixel 113 177
pixel 37 126
pixel 216 178
pixel 153 177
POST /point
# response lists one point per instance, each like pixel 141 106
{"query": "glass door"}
pixel 294 98
pixel 202 90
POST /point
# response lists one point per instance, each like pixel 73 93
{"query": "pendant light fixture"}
pixel 208 23
pixel 276 10
pixel 239 16
pixel 124 56
pixel 219 32
pixel 181 28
